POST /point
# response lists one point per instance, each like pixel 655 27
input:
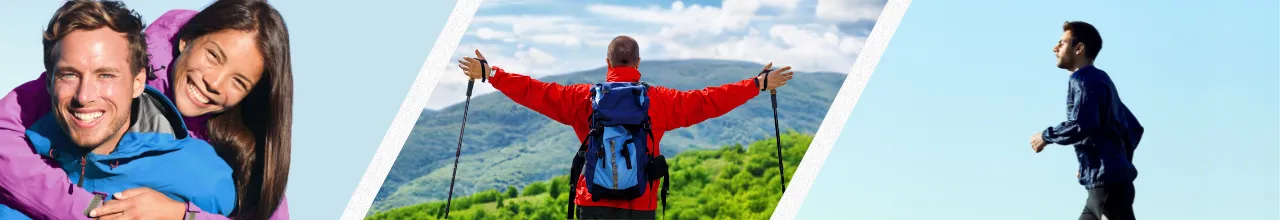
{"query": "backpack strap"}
pixel 580 157
pixel 575 171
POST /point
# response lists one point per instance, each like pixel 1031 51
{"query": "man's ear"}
pixel 139 82
pixel 637 65
pixel 1079 49
pixel 608 63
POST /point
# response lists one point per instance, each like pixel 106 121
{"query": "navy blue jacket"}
pixel 1100 127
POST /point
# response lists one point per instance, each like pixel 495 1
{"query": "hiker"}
pixel 227 70
pixel 669 109
pixel 108 129
pixel 1099 126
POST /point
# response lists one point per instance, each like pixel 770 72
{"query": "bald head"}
pixel 623 52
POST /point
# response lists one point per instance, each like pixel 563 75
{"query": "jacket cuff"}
pixel 498 74
pixel 98 199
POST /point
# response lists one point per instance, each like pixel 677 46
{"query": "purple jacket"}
pixel 40 188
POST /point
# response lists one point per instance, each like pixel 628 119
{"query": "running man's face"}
pixel 1066 52
pixel 216 71
pixel 92 88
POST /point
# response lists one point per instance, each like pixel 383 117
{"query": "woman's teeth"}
pixel 87 116
pixel 195 94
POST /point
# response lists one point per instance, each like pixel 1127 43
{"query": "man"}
pixel 107 129
pixel 669 109
pixel 1099 126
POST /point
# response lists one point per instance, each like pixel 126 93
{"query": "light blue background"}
pixel 353 65
pixel 942 130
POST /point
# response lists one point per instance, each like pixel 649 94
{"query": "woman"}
pixel 232 82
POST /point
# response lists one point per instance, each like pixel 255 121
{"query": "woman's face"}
pixel 215 72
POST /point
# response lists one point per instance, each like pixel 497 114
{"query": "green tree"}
pixel 511 192
pixel 554 190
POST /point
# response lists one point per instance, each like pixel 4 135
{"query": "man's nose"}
pixel 88 92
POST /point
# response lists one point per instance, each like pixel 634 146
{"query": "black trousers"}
pixel 593 212
pixel 1109 202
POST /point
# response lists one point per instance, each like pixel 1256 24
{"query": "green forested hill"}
pixel 733 182
pixel 509 145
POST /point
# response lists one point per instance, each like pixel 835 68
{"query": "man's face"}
pixel 1068 54
pixel 92 88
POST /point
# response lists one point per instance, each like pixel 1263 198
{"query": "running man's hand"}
pixel 777 78
pixel 1037 142
pixel 474 68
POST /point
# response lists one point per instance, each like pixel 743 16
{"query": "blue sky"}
pixel 544 37
pixel 942 129
pixel 350 71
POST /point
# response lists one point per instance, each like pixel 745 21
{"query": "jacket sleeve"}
pixel 219 199
pixel 565 104
pixel 1135 133
pixel 688 108
pixel 28 183
pixel 1082 115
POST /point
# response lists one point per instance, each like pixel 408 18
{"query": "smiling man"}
pixel 107 129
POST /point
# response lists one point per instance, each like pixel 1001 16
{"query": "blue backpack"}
pixel 616 155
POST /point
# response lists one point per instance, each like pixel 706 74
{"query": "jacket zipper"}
pixel 80 182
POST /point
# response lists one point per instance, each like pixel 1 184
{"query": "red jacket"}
pixel 669 109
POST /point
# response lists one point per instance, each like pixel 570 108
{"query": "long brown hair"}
pixel 254 137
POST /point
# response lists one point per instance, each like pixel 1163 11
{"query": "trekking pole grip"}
pixel 470 84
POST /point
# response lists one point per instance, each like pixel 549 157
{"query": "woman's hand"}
pixel 139 204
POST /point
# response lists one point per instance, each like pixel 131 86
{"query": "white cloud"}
pixel 694 20
pixel 524 60
pixel 535 29
pixel 849 10
pixel 804 48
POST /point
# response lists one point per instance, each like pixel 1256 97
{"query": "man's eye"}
pixel 106 76
pixel 67 76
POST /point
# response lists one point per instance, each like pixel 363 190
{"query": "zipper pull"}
pixel 80 182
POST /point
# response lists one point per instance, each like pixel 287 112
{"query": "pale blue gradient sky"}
pixel 353 65
pixel 942 130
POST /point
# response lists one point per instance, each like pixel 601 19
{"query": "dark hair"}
pixel 624 51
pixel 1084 33
pixel 254 137
pixel 79 15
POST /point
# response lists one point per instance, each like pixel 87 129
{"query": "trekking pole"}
pixel 777 132
pixel 465 108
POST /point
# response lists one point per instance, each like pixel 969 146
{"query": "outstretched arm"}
pixel 692 107
pixel 564 104
pixel 28 183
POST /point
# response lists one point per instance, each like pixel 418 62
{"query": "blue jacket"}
pixel 1100 127
pixel 155 153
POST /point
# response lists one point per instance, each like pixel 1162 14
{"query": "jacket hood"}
pixel 154 127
